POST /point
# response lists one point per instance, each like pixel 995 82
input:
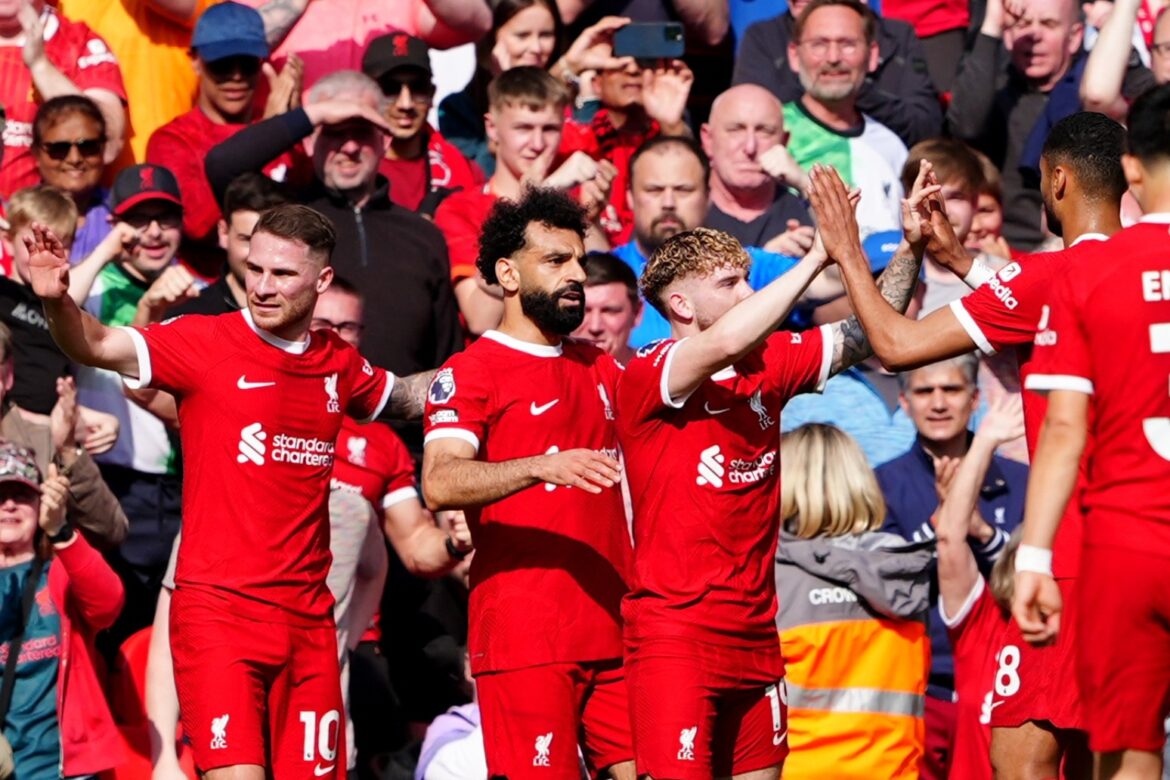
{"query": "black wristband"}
pixel 62 536
pixel 454 551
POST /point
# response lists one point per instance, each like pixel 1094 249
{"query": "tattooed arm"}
pixel 279 18
pixel 408 397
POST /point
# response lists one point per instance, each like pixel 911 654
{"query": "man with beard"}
pixel 1037 719
pixel 521 435
pixel 261 402
pixel 420 165
pixel 833 47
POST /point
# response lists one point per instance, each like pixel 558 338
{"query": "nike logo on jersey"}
pixel 244 384
pixel 539 410
pixel 778 739
pixel 713 412
pixel 321 771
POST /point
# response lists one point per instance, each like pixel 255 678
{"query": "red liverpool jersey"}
pixel 551 563
pixel 704 480
pixel 374 463
pixel 1006 312
pixel 1109 337
pixel 258 417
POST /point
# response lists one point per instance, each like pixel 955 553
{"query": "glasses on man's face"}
pixel 819 47
pixel 421 88
pixel 87 147
pixel 168 219
pixel 1161 49
pixel 224 69
pixel 347 328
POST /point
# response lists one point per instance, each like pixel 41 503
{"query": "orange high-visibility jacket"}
pixel 852 621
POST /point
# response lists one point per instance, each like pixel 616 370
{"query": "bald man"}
pixel 753 177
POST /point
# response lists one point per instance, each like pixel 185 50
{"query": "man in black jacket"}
pixel 395 257
pixel 898 93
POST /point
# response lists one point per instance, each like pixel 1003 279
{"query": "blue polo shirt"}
pixel 766 267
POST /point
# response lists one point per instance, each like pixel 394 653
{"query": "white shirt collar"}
pixel 1089 237
pixel 527 347
pixel 291 347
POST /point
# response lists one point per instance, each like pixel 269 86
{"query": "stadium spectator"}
pixel 974 603
pixel 896 89
pixel 753 175
pixel 44 55
pixel 397 258
pixel 552 668
pixel 332 35
pixel 942 29
pixel 1108 62
pixel 246 198
pixel 941 399
pixel 420 164
pixel 1016 67
pixel 613 307
pixel 69 136
pixel 453 745
pixel 853 604
pixel 60 593
pixel 227 51
pixel 986 234
pixel 833 44
pixel 525 124
pixel 637 104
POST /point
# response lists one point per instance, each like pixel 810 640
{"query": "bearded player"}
pixel 699 420
pixel 261 400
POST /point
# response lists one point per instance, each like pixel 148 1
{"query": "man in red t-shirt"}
pixel 1082 185
pixel 699 424
pixel 1106 346
pixel 421 166
pixel 521 435
pixel 228 48
pixel 261 400
pixel 43 55
pixel 525 118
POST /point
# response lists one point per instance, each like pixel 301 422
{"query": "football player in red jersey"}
pixel 698 418
pixel 520 434
pixel 1037 718
pixel 261 400
pixel 1106 350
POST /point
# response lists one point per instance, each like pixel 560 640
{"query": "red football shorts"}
pixel 240 679
pixel 1039 683
pixel 534 718
pixel 695 715
pixel 1124 663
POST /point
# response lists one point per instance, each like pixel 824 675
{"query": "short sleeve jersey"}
pixel 1006 311
pixel 1109 336
pixel 460 218
pixel 551 563
pixel 704 481
pixel 374 463
pixel 81 56
pixel 259 419
pixel 975 636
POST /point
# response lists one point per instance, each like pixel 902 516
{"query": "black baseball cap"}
pixel 396 50
pixel 140 183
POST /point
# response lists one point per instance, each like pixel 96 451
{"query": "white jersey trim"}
pixel 973 330
pixel 527 347
pixel 291 347
pixel 826 357
pixel 398 496
pixel 385 399
pixel 1157 218
pixel 452 433
pixel 142 351
pixel 664 380
pixel 1044 382
pixel 968 604
pixel 1088 237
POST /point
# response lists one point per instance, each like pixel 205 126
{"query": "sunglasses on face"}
pixel 88 147
pixel 165 219
pixel 222 70
pixel 421 88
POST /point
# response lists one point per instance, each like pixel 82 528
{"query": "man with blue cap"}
pixel 228 52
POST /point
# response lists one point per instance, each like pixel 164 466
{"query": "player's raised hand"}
pixel 48 263
pixel 589 470
pixel 917 208
pixel 54 500
pixel 836 217
pixel 1036 607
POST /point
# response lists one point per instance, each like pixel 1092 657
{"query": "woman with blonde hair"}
pixel 852 610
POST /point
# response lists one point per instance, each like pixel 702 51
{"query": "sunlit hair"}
pixel 992 181
pixel 967 363
pixel 1003 574
pixel 347 84
pixel 954 164
pixel 826 486
pixel 48 205
pixel 529 87
pixel 302 225
pixel 692 253
pixel 869 21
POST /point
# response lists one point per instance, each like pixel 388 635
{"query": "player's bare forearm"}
pixel 408 397
pixel 453 482
pixel 879 305
pixel 419 543
pixel 87 341
pixel 957 567
pixel 1053 475
pixel 279 18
